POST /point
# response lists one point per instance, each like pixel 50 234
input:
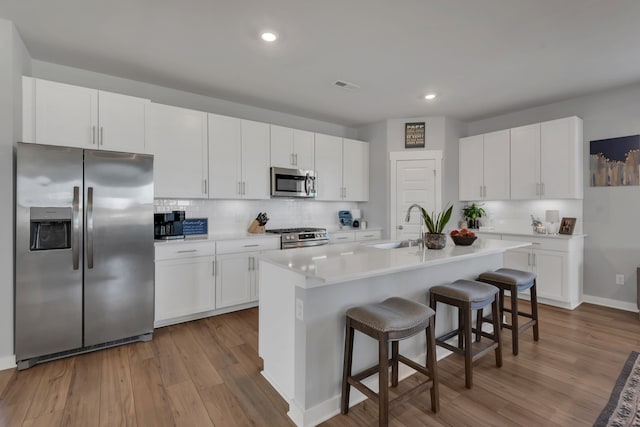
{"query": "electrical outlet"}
pixel 299 309
pixel 619 279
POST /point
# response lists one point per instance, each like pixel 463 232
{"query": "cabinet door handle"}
pixel 187 251
pixel 341 238
pixel 535 261
pixel 250 246
pixel 529 259
pixel 204 186
pixel 400 227
pixel 291 159
pixel 213 267
pixel 481 191
pixel 93 135
pixel 101 135
pixel 295 159
pixel 244 188
pixel 240 188
pixel 542 189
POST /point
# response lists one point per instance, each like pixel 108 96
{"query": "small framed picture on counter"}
pixel 567 225
pixel 414 135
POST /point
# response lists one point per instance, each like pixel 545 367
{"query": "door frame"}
pixel 396 156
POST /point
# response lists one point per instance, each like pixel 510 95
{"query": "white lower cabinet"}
pixel 557 264
pixel 237 269
pixel 184 280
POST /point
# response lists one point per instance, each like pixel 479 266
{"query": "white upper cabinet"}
pixel 561 158
pixel 292 148
pixel 255 160
pixel 225 157
pixel 122 122
pixel 67 115
pixel 177 138
pixel 238 158
pixel 484 166
pixel 546 160
pixel 328 154
pixel 525 162
pixel 471 161
pixel 355 170
pixel 342 168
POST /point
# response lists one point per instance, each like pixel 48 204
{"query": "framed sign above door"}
pixel 414 135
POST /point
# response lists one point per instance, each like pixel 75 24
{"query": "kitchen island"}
pixel 304 294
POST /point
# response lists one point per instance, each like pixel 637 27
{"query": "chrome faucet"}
pixel 407 218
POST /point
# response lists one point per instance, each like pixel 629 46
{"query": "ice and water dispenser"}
pixel 50 228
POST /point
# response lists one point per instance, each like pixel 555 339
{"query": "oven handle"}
pixel 306 244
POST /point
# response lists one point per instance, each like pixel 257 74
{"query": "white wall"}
pixel 163 95
pixel 387 136
pixel 610 213
pixel 15 60
pixel 376 210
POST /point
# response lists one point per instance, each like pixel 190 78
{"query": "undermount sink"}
pixel 395 244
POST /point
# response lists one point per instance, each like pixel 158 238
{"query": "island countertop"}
pixel 330 264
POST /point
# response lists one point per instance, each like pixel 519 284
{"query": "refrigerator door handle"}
pixel 90 227
pixel 75 228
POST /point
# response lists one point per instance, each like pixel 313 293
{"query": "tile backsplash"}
pixel 236 215
pixel 514 215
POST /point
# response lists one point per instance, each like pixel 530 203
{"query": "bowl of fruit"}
pixel 463 237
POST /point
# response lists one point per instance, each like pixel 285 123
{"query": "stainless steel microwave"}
pixel 293 183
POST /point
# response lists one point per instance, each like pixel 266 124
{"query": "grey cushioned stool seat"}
pixel 389 321
pixel 469 295
pixel 514 281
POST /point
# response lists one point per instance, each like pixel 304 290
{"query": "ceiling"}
pixel 482 57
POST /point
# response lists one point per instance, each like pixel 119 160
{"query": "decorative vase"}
pixel 435 240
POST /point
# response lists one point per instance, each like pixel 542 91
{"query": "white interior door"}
pixel 415 183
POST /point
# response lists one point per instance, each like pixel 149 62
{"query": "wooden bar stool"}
pixel 392 320
pixel 469 295
pixel 514 281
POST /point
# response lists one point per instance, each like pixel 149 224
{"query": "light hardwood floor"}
pixel 207 373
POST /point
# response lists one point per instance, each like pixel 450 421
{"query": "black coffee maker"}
pixel 168 226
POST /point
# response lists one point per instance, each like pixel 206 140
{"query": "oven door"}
pixel 293 183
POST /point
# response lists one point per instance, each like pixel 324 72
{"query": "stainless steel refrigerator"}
pixel 84 251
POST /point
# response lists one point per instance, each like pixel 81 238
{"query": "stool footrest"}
pixel 410 363
pixel 522 327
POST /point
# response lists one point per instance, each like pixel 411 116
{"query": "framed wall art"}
pixel 414 135
pixel 615 161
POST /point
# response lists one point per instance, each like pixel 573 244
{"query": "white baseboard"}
pixel 612 303
pixel 7 362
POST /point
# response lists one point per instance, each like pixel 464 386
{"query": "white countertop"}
pixel 323 265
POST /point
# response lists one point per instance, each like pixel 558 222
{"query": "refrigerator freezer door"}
pixel 118 289
pixel 48 299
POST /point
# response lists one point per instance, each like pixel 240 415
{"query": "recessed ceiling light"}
pixel 269 36
pixel 430 96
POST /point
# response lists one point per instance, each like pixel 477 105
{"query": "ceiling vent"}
pixel 346 85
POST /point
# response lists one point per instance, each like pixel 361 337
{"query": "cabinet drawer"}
pixel 546 243
pixel 172 250
pixel 368 235
pixel 342 236
pixel 247 245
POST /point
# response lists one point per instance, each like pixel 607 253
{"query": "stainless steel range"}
pixel 291 238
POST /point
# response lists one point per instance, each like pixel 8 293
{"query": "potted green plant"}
pixel 472 214
pixel 435 238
